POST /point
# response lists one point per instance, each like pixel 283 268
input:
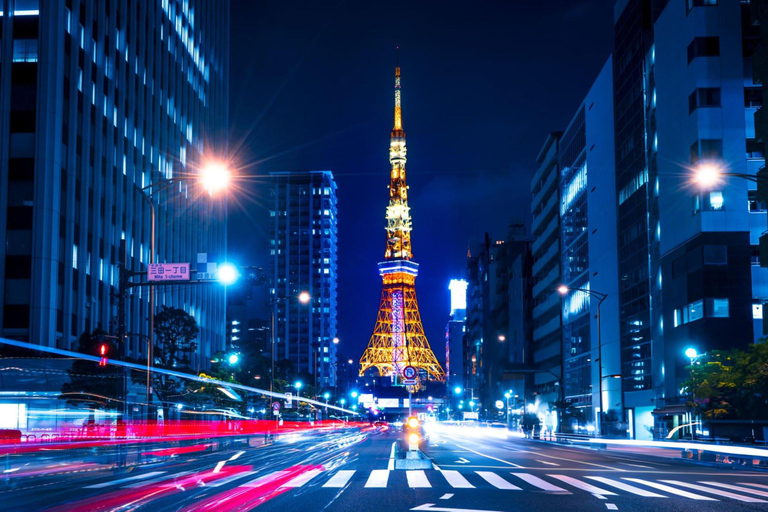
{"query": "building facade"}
pixel 304 241
pixel 589 262
pixel 101 103
pixel 454 335
pixel 546 347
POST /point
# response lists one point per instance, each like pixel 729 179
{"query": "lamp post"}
pixel 214 177
pixel 564 290
pixel 304 298
pixel 508 395
pixel 691 354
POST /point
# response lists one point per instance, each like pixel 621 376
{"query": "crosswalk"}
pixel 471 481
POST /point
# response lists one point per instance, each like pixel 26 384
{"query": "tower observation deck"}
pixel 398 338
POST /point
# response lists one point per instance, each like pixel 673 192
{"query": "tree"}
pixel 731 384
pixel 175 335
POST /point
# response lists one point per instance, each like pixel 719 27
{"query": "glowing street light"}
pixel 214 177
pixel 457 390
pixel 707 175
pixel 304 297
pixel 233 359
pixel 228 274
pixel 336 340
pixel 691 354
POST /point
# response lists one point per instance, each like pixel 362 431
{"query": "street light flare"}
pixel 214 177
pixel 707 175
pixel 304 297
pixel 562 289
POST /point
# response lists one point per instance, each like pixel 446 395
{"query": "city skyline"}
pixel 321 100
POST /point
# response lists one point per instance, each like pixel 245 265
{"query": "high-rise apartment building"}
pixel 304 239
pixel 99 100
pixel 454 335
pixel 547 340
pixel 589 262
pixel 688 275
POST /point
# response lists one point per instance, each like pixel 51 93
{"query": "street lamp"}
pixel 304 298
pixel 457 390
pixel 693 355
pixel 564 290
pixel 708 174
pixel 297 385
pixel 508 395
pixel 213 173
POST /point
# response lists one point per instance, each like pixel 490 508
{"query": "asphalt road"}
pixel 472 470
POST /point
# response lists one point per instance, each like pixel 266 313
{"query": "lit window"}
pixel 757 311
pixel 717 308
pixel 696 310
pixel 25 50
pixel 74 256
pixel 716 201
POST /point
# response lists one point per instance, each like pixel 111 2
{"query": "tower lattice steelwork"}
pixel 398 338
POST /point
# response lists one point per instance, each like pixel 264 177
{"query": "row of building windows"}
pixel 712 308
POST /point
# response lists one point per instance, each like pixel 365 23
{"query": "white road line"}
pixel 446 496
pixel 547 463
pixel 219 466
pixel 456 480
pixel 627 487
pixel 737 488
pixel 488 456
pixel 417 479
pixel 340 479
pixel 541 484
pixel 671 490
pixel 496 481
pixel 583 485
pixel 158 479
pixel 611 506
pixel 237 455
pixel 637 465
pixel 391 464
pixel 719 492
pixel 303 478
pixel 123 480
pixel 754 485
pixel 378 478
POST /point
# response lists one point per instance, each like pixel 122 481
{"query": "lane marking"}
pixel 627 487
pixel 446 496
pixel 219 466
pixel 462 460
pixel 340 479
pixel 583 485
pixel 573 460
pixel 754 485
pixel 237 455
pixel 158 479
pixel 123 480
pixel 391 464
pixel 671 490
pixel 611 506
pixel 488 456
pixel 436 467
pixel 431 507
pixel 230 479
pixel 456 480
pixel 496 481
pixel 378 478
pixel 719 492
pixel 737 488
pixel 258 482
pixel 541 484
pixel 637 465
pixel 417 479
pixel 303 478
pixel 548 463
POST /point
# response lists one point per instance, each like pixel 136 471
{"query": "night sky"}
pixel 311 88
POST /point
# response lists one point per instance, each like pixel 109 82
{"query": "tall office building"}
pixel 589 261
pixel 304 239
pixel 688 271
pixel 98 101
pixel 454 335
pixel 546 344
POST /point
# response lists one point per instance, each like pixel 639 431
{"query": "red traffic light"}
pixel 103 350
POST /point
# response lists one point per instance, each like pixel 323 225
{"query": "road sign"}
pixel 289 400
pixel 168 272
pixel 275 406
pixel 207 266
pixel 409 373
pixel 409 382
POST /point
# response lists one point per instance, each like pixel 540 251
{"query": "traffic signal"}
pixel 103 352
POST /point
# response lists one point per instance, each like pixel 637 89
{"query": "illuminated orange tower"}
pixel 398 338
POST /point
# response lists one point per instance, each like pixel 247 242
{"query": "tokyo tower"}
pixel 398 338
